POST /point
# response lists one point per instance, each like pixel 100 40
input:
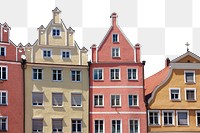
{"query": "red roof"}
pixel 153 81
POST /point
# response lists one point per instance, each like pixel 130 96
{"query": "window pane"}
pixel 182 118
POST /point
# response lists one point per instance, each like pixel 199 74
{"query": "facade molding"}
pixel 105 87
pixel 113 113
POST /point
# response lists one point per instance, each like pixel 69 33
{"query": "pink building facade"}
pixel 11 84
pixel 116 85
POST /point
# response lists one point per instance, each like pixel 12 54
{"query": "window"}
pixel 76 100
pixel 168 118
pixel 134 126
pixel 190 94
pixel 98 74
pixel 154 118
pixel 3 73
pixel 115 100
pixel 198 118
pixel 57 125
pixel 189 76
pixel 114 74
pixel 47 53
pixel 133 100
pixel 76 75
pixel 57 75
pixel 3 98
pixel 132 74
pixel 66 54
pixel 98 100
pixel 115 52
pixel 116 126
pixel 98 127
pixel 37 125
pixel 37 98
pixel 174 93
pixel 57 99
pixel 3 123
pixel 37 74
pixel 115 38
pixel 56 32
pixel 2 51
pixel 76 126
pixel 182 118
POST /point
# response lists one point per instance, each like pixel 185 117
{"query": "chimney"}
pixel 137 49
pixel 94 53
pixel 114 18
pixel 167 61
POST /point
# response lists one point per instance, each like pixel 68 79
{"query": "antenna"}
pixel 187 44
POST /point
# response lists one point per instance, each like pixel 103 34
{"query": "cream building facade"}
pixel 57 83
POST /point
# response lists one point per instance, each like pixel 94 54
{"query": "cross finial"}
pixel 187 44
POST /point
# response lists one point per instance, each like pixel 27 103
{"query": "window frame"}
pixel 77 93
pixel 186 89
pixel 179 96
pixel 61 98
pixel 134 122
pixel 98 74
pixel 76 125
pixel 37 74
pixel 61 125
pixel 133 100
pixel 154 111
pixel 76 75
pixel 98 100
pixel 188 118
pixel 1 104
pixel 197 111
pixel 98 125
pixel 116 124
pixel 46 57
pixel 173 117
pixel 115 74
pixel 189 71
pixel 61 53
pixel 114 48
pixel 42 124
pixel 4 51
pixel 57 69
pixel 1 74
pixel 120 104
pixel 117 41
pixel 42 99
pixel 4 117
pixel 132 74
pixel 55 28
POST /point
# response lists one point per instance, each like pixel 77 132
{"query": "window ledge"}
pixel 76 106
pixel 115 56
pixel 57 106
pixel 98 80
pixel 134 106
pixel 115 79
pixel 116 106
pixel 100 106
pixel 133 79
pixel 116 42
pixel 190 83
pixel 191 100
pixel 176 100
pixel 183 125
pixel 4 104
pixel 38 106
pixel 156 125
pixel 168 125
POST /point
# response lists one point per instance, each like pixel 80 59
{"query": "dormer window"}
pixel 115 38
pixel 189 76
pixel 56 32
pixel 2 51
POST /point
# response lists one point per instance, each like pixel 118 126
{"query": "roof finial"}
pixel 187 44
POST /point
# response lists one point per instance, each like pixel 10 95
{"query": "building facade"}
pixel 11 84
pixel 116 85
pixel 173 101
pixel 57 83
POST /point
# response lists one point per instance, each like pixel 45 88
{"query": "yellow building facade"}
pixel 57 83
pixel 174 103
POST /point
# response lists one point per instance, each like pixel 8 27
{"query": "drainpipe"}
pixel 89 64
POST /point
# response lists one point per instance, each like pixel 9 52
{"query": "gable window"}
pixel 3 73
pixel 37 98
pixel 76 75
pixel 37 125
pixel 154 117
pixel 2 51
pixel 98 74
pixel 57 75
pixel 175 94
pixel 66 54
pixel 198 118
pixel 57 125
pixel 189 76
pixel 115 38
pixel 134 126
pixel 98 100
pixel 115 100
pixel 3 123
pixel 182 118
pixel 37 74
pixel 98 126
pixel 133 100
pixel 115 52
pixel 132 74
pixel 115 74
pixel 190 94
pixel 47 53
pixel 116 126
pixel 76 126
pixel 76 100
pixel 168 118
pixel 57 99
pixel 56 32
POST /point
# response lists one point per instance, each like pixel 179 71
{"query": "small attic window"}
pixel 56 32
pixel 188 61
pixel 115 38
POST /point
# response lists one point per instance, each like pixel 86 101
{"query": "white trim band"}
pixel 131 87
pixel 109 113
pixel 9 62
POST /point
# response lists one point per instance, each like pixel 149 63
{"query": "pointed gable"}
pixel 188 57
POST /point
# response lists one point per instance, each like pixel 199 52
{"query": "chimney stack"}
pixel 167 61
pixel 137 49
pixel 94 53
pixel 114 18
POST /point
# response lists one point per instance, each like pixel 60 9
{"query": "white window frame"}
pixel 117 37
pixel 186 89
pixel 76 75
pixel 98 124
pixel 4 117
pixel 115 52
pixel 179 96
pixel 115 74
pixel 154 111
pixel 42 125
pixel 61 53
pixel 98 73
pixel 197 111
pixel 132 74
pixel 47 50
pixel 98 100
pixel 115 124
pixel 42 98
pixel 189 72
pixel 62 99
pixel 57 75
pixel 188 118
pixel 1 74
pixel 6 98
pixel 133 100
pixel 173 117
pixel 76 125
pixel 130 125
pixel 4 50
pixel 77 93
pixel 55 28
pixel 120 104
pixel 37 73
pixel 62 125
